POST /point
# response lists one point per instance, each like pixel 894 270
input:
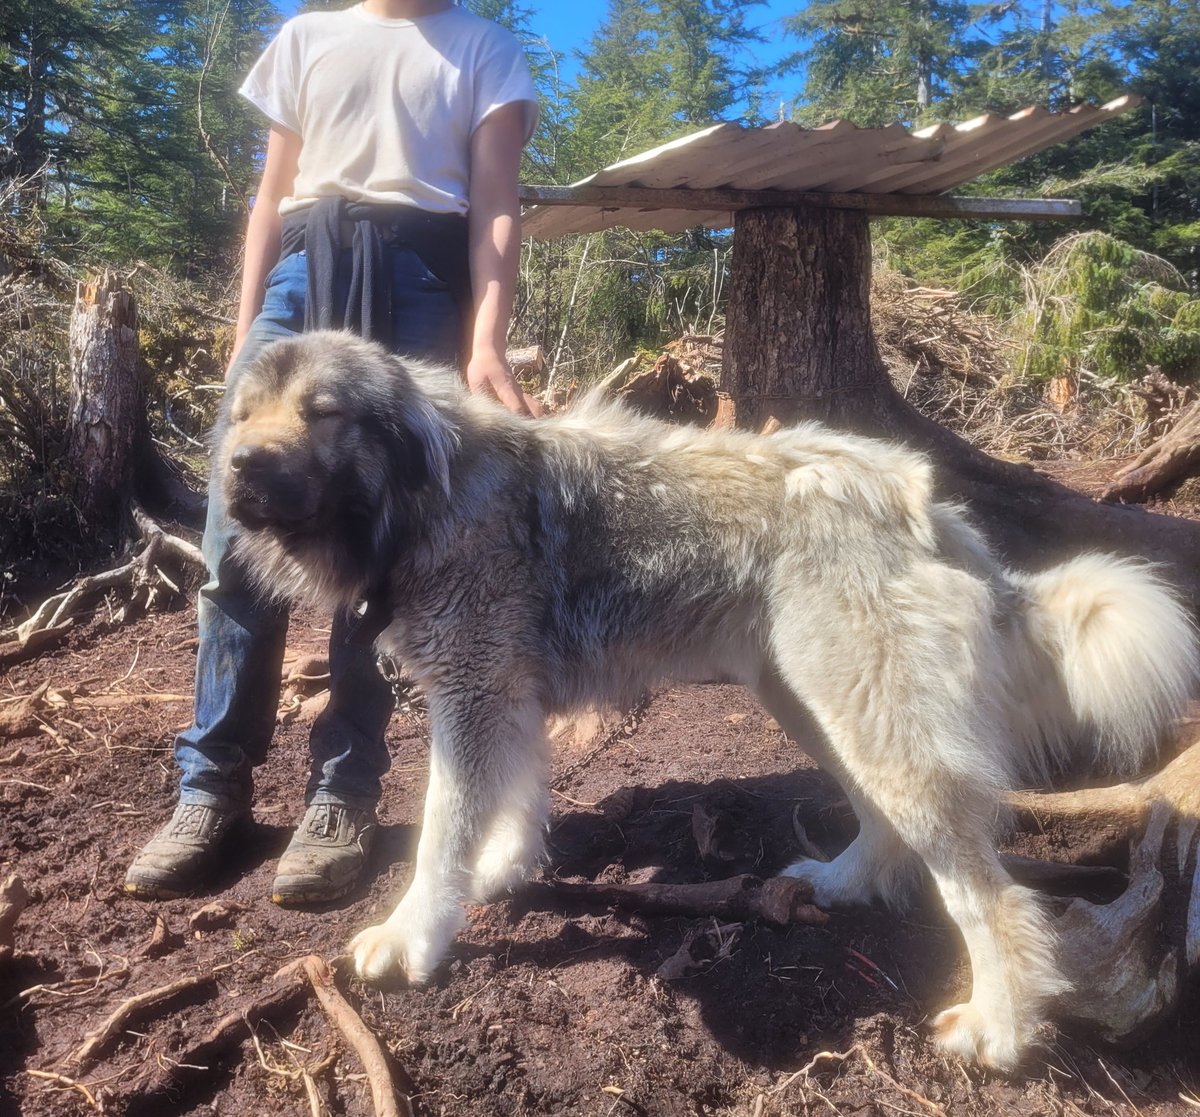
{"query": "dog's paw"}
pixel 965 1031
pixel 384 951
pixel 830 888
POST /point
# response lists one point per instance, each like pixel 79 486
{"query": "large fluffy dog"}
pixel 529 568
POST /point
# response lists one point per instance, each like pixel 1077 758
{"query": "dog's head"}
pixel 328 448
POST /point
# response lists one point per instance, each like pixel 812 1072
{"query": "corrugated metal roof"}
pixel 835 158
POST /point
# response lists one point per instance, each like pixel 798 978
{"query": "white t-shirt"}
pixel 385 108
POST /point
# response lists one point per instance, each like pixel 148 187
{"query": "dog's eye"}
pixel 321 409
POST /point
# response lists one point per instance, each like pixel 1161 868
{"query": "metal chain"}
pixel 407 696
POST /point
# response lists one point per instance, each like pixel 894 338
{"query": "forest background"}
pixel 124 144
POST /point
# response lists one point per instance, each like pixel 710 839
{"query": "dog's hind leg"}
pixel 877 864
pixel 903 684
pixel 484 754
pixel 516 838
pixel 946 818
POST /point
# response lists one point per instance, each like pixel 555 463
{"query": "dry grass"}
pixel 957 366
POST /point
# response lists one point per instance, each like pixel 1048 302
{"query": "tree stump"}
pixel 107 410
pixel 799 345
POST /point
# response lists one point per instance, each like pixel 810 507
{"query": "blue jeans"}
pixel 240 655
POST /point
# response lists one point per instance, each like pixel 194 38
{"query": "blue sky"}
pixel 568 25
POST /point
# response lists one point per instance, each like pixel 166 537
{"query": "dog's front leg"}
pixel 481 756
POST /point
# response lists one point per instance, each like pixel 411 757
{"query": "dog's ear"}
pixel 408 462
pixel 420 437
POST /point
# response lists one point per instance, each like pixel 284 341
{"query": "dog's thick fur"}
pixel 535 567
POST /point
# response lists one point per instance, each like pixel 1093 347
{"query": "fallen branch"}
pixel 361 1038
pixel 779 901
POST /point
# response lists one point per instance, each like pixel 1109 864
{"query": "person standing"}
pixel 388 206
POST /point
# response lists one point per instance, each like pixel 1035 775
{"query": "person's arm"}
pixel 494 219
pixel 264 226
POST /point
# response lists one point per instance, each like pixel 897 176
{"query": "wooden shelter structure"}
pixel 798 340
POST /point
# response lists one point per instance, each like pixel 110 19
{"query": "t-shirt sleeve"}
pixel 503 79
pixel 271 84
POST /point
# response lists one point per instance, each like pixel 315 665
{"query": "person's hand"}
pixel 488 373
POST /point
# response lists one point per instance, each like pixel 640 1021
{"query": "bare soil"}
pixel 555 1012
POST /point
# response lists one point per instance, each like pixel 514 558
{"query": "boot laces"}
pixel 189 820
pixel 324 820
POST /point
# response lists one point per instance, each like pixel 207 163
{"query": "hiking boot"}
pixel 183 855
pixel 326 855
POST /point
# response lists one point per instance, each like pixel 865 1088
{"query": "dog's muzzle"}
pixel 264 488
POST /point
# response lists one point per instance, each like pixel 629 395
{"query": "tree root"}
pixel 143 580
pixel 23 718
pixel 840 1057
pixel 68 1084
pixel 384 1089
pixel 780 901
pixel 286 995
pixel 101 1038
pixel 391 1088
pixel 14 899
pixel 1171 459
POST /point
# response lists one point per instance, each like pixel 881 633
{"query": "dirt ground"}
pixel 554 1011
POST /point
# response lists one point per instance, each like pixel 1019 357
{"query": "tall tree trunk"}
pixel 799 345
pixel 107 409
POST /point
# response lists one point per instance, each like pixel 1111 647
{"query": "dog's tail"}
pixel 1126 654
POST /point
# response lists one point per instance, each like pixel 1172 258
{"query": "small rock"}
pixel 220 913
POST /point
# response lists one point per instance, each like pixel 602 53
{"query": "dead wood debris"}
pixel 305 688
pixel 703 947
pixel 162 940
pixel 31 714
pixel 142 580
pixel 1146 941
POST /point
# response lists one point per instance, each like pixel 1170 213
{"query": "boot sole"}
pixel 313 895
pixel 154 891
